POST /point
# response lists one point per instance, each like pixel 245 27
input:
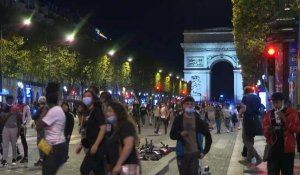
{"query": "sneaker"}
pixel 4 163
pixel 19 157
pixel 39 163
pixel 24 160
pixel 14 162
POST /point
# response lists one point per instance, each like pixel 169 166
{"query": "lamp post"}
pixel 3 27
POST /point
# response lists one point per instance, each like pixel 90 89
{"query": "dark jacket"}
pixel 201 130
pixel 69 124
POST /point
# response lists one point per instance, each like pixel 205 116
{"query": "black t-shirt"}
pixel 116 140
pixel 279 132
pixel 143 110
pixel 93 123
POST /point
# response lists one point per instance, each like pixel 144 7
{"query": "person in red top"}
pixel 279 126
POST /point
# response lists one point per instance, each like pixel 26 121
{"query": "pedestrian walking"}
pixel 26 117
pixel 188 130
pixel 164 118
pixel 219 115
pixel 53 124
pixel 156 115
pixel 41 112
pixel 251 124
pixel 149 113
pixel 143 113
pixel 11 119
pixel 227 119
pixel 121 153
pixel 279 127
pixel 69 124
pixel 93 141
pixel 136 114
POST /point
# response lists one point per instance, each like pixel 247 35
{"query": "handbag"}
pixel 268 151
pixel 130 169
pixel 44 146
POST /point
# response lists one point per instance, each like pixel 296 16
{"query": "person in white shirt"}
pixel 164 117
pixel 53 124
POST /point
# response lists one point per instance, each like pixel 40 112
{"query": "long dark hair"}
pixel 122 116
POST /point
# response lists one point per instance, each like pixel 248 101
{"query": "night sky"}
pixel 152 29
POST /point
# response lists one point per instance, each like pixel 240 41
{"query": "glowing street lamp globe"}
pixel 70 38
pixel 129 59
pixel 27 22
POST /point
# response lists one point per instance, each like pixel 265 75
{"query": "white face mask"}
pixel 112 119
pixel 87 101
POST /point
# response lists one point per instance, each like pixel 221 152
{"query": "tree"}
pixel 105 71
pixel 14 60
pixel 250 28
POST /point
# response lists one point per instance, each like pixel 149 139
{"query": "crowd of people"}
pixel 109 131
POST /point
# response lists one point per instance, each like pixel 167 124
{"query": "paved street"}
pixel 217 159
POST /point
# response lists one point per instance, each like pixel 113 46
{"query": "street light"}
pixel 170 74
pixel 129 59
pixel 70 37
pixel 111 52
pixel 160 71
pixel 27 22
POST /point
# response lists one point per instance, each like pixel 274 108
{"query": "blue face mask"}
pixel 189 110
pixel 112 119
pixel 87 101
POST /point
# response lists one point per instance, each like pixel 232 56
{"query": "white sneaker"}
pixel 14 162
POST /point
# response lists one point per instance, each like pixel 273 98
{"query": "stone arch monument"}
pixel 202 50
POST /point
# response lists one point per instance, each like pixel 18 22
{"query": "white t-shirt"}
pixel 56 121
pixel 162 111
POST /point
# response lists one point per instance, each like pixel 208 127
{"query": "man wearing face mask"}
pixel 188 129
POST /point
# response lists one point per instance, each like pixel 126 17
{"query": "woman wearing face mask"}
pixel 121 152
pixel 95 127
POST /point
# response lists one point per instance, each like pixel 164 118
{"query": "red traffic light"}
pixel 270 51
pixel 157 87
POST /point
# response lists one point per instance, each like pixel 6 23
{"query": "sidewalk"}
pixel 235 168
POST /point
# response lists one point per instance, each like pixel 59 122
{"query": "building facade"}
pixel 202 50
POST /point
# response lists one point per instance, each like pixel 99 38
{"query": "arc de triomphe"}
pixel 202 50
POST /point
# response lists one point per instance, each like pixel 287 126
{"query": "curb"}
pixel 163 168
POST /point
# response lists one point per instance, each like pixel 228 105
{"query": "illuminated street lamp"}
pixel 70 37
pixel 160 71
pixel 27 22
pixel 178 77
pixel 129 60
pixel 170 74
pixel 111 52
